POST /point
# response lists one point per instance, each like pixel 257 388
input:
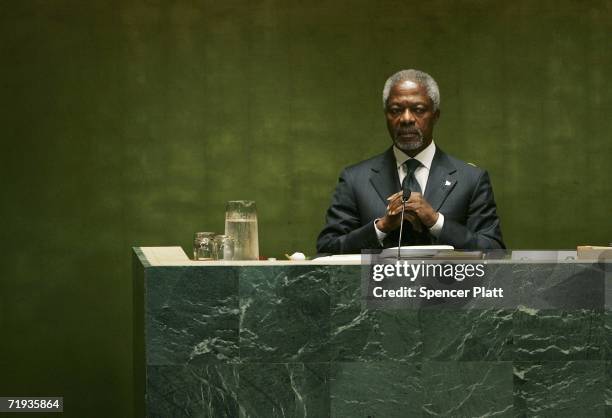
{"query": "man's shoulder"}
pixel 366 165
pixel 466 168
pixel 378 161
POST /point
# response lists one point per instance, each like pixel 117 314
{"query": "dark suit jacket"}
pixel 460 191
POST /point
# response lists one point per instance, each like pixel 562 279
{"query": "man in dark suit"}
pixel 451 201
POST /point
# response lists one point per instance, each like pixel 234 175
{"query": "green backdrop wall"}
pixel 132 123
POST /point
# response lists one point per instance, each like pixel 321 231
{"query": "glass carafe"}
pixel 241 225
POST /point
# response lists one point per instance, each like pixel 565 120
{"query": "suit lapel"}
pixel 441 180
pixel 384 176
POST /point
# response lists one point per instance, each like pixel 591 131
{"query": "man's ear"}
pixel 437 115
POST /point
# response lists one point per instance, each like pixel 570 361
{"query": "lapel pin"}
pixel 447 183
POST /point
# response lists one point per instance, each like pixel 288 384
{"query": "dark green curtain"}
pixel 131 123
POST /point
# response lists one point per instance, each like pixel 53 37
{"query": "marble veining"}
pixel 296 341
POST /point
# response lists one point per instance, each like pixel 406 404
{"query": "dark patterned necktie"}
pixel 410 166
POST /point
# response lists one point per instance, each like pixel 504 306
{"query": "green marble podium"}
pixel 286 339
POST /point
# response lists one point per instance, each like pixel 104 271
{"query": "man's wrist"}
pixel 436 228
pixel 433 220
pixel 381 225
pixel 380 235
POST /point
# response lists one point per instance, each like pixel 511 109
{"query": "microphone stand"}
pixel 399 244
pixel 405 196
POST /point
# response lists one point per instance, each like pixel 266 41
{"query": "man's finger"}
pixel 394 196
pixel 415 197
pixel 414 220
pixel 396 206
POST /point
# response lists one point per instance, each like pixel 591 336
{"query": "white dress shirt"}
pixel 421 174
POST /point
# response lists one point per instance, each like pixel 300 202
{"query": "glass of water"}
pixel 225 247
pixel 205 246
pixel 241 225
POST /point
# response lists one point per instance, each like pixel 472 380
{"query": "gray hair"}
pixel 418 77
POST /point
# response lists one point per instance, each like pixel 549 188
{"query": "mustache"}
pixel 408 131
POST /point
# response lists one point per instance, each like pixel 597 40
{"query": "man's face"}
pixel 410 117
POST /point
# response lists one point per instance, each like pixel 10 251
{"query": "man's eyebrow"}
pixel 402 102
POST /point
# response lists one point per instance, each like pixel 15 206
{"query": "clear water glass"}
pixel 205 246
pixel 225 247
pixel 241 225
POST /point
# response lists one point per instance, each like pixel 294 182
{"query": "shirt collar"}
pixel 425 157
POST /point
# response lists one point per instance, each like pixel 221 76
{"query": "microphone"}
pixel 405 196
